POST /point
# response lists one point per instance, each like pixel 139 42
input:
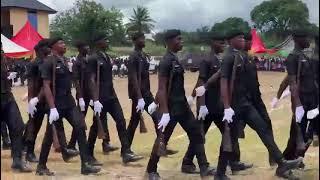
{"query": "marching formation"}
pixel 226 93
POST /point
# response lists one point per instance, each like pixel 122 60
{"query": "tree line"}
pixel 273 18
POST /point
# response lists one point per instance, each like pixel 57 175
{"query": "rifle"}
pixel 226 137
pixel 143 128
pixel 101 133
pixel 300 144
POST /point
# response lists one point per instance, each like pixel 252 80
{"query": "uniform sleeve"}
pixel 132 66
pixel 204 70
pixel 46 69
pixel 92 65
pixel 30 69
pixel 226 66
pixel 76 70
pixel 292 64
pixel 165 67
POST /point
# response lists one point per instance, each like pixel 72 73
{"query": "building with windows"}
pixel 15 13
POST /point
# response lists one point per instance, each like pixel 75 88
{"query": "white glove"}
pixel 12 75
pixel 54 115
pixel 70 64
pixel 97 107
pixel 312 113
pixel 274 102
pixel 140 106
pixel 152 108
pixel 228 114
pixel 82 104
pixel 32 106
pixel 285 93
pixel 190 100
pixel 200 91
pixel 164 121
pixel 203 112
pixel 91 102
pixel 299 113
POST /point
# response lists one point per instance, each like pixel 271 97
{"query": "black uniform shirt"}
pixel 209 66
pixel 241 95
pixel 63 80
pixel 106 90
pixel 6 94
pixel 307 74
pixel 138 66
pixel 81 73
pixel 177 101
pixel 34 75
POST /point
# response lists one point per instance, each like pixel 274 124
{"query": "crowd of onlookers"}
pixel 270 64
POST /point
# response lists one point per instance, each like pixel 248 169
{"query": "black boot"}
pixel 315 141
pixel 72 147
pixel 86 169
pixel 188 166
pixel 302 166
pixel 130 157
pixel 107 147
pixel 272 162
pixel 288 175
pixel 171 152
pixel 239 166
pixel 153 176
pixel 43 171
pixel 67 154
pixel 285 165
pixel 94 162
pixel 20 165
pixel 207 171
pixel 31 157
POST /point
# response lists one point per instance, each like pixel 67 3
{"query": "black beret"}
pixel 80 44
pixel 172 33
pixel 137 35
pixel 248 36
pixel 54 40
pixel 233 33
pixel 42 43
pixel 100 37
pixel 300 33
pixel 217 36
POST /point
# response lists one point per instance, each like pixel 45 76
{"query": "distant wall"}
pixel 18 18
pixel 43 24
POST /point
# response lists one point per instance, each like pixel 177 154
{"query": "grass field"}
pixel 252 149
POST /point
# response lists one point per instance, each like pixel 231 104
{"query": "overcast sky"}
pixel 185 14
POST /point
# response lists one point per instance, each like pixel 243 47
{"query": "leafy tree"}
pixel 280 16
pixel 230 23
pixel 86 19
pixel 140 21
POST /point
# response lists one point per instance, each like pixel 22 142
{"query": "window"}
pixel 33 19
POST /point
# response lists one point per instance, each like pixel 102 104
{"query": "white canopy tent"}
pixel 11 47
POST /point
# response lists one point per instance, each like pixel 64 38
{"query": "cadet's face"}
pixel 141 42
pixel 218 45
pixel 60 46
pixel 248 45
pixel 177 43
pixel 304 42
pixel 238 42
pixel 84 49
pixel 46 50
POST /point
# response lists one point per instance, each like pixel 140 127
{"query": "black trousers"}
pixel 73 116
pixel 111 106
pixel 10 114
pixel 257 121
pixel 4 131
pixel 309 102
pixel 205 124
pixel 73 138
pixel 193 130
pixel 34 125
pixel 135 117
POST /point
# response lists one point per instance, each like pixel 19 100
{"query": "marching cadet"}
pixel 174 106
pixel 11 115
pixel 237 92
pixel 210 106
pixel 57 80
pixel 105 99
pixel 304 94
pixel 81 80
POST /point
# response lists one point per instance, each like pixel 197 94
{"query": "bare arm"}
pixel 48 93
pixel 213 79
pixel 224 88
pixel 132 76
pixel 294 90
pixel 162 94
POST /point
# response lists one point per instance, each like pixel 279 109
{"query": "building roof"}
pixel 27 4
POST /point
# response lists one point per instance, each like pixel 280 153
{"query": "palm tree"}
pixel 140 21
